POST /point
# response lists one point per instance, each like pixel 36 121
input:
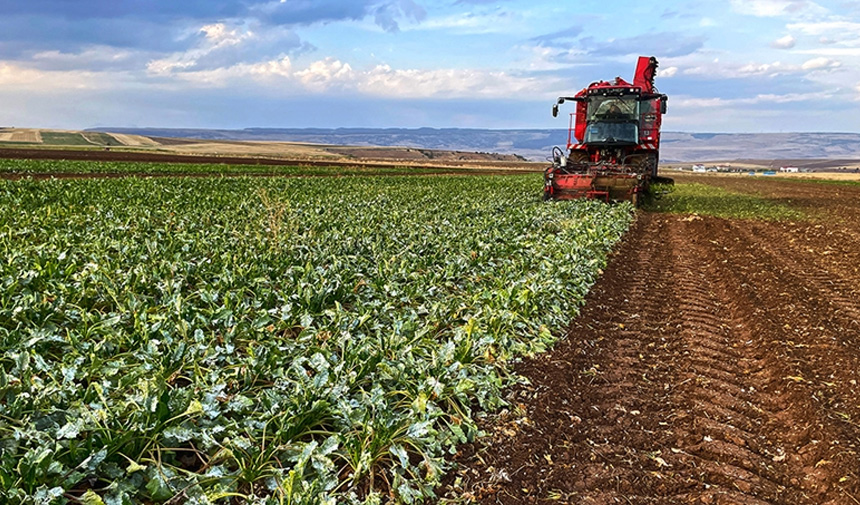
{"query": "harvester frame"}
pixel 613 140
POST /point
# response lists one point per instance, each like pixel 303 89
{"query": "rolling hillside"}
pixel 535 144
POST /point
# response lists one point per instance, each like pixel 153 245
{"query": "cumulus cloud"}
pixel 786 42
pixel 771 69
pixel 821 63
pixel 219 35
pixel 331 74
pixel 215 38
pixel 452 83
pixel 240 74
pixel 325 74
pixel 219 45
pixel 667 72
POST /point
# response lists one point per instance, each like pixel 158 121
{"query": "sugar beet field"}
pixel 424 339
pixel 277 340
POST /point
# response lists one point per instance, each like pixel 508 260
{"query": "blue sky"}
pixel 728 66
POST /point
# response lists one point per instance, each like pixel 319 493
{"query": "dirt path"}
pixel 716 362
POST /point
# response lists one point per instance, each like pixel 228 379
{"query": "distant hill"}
pixel 536 144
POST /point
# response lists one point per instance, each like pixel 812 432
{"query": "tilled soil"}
pixel 715 362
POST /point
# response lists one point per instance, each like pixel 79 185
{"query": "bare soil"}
pixel 715 362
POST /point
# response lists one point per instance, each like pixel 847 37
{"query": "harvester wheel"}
pixel 578 157
pixel 645 163
pixel 577 161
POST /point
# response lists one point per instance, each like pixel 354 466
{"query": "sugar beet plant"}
pixel 270 340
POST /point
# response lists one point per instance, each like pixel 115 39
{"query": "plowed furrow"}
pixel 717 355
pixel 729 431
pixel 725 415
pixel 732 476
pixel 813 276
pixel 716 333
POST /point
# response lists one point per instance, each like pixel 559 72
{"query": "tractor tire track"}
pixel 728 409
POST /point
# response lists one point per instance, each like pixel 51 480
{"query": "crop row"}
pixel 271 340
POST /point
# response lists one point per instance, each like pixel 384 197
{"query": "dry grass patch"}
pixel 21 135
pixel 134 140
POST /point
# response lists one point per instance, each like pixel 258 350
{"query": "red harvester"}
pixel 617 140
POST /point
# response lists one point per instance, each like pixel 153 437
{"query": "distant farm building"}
pixel 791 170
pixel 698 168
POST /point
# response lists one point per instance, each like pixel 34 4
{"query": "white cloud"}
pixel 697 103
pixel 832 33
pixel 385 81
pixel 17 76
pixel 787 98
pixel 667 72
pixel 324 74
pixel 761 68
pixel 786 42
pixel 714 102
pixel 820 64
pixel 774 8
pixel 381 81
pixel 94 54
pixel 216 37
pixel 777 68
pixel 831 30
pixel 271 71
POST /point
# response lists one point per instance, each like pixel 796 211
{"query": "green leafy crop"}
pixel 55 167
pixel 271 340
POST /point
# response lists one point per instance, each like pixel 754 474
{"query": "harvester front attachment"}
pixel 566 180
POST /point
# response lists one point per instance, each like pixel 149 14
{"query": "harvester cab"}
pixel 613 140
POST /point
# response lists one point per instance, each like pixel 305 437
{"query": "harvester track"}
pixel 715 363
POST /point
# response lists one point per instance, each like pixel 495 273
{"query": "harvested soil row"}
pixel 703 369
